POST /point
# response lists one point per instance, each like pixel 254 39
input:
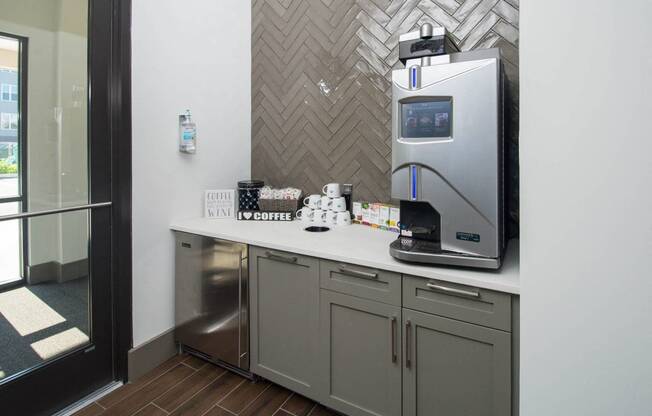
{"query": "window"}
pixel 8 92
pixel 8 121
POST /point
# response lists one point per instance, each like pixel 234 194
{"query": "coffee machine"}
pixel 447 152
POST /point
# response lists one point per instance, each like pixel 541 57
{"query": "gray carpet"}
pixel 69 299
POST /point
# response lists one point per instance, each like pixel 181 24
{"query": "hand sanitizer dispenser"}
pixel 187 133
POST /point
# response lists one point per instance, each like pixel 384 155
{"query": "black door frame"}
pixel 109 56
pixel 122 185
pixel 115 68
pixel 23 52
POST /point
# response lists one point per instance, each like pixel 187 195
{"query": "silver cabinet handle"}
pixel 394 339
pixel 280 257
pixel 408 335
pixel 357 273
pixel 453 291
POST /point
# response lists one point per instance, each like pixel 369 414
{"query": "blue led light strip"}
pixel 413 184
pixel 414 77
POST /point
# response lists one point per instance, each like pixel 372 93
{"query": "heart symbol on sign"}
pixel 247 215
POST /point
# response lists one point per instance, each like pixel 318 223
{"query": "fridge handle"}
pixel 243 306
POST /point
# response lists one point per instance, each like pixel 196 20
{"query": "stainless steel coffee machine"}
pixel 447 153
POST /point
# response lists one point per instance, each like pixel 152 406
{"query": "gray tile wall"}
pixel 321 90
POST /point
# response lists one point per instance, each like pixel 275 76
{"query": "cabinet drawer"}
pixel 464 303
pixel 362 282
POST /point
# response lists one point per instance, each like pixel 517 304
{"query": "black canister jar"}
pixel 248 194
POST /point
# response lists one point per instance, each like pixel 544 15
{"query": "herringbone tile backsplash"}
pixel 321 72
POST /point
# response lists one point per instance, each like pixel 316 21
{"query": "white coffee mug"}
pixel 319 216
pixel 343 218
pixel 325 202
pixel 305 214
pixel 332 190
pixel 337 204
pixel 330 217
pixel 313 201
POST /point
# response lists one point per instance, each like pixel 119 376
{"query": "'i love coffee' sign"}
pixel 265 215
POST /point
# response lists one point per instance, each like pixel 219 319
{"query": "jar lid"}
pixel 251 184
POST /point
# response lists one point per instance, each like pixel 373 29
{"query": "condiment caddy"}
pixel 257 202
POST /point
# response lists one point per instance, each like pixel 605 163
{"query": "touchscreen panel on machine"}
pixel 425 118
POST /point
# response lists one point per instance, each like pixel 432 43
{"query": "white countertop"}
pixel 356 244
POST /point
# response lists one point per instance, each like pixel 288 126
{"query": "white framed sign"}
pixel 219 203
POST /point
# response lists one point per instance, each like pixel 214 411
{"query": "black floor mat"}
pixel 69 299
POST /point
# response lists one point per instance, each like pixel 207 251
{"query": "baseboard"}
pixel 151 354
pixel 73 270
pixel 54 271
pixel 43 272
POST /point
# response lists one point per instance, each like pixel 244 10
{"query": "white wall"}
pixel 197 55
pixel 586 207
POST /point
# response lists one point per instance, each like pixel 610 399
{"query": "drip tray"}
pixel 315 229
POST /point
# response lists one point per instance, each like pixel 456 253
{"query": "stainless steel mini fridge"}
pixel 212 299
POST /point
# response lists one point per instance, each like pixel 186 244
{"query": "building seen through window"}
pixel 9 91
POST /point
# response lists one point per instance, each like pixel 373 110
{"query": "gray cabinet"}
pixel 454 368
pixel 370 342
pixel 285 318
pixel 360 355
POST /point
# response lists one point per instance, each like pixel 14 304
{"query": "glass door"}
pixel 56 297
pixel 12 185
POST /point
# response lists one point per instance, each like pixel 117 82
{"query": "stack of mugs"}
pixel 325 210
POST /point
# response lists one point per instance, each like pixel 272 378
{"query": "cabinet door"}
pixel 453 368
pixel 360 359
pixel 285 318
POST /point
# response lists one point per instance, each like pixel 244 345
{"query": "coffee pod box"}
pixel 376 215
pixel 356 210
pixel 394 219
pixel 383 216
pixel 371 214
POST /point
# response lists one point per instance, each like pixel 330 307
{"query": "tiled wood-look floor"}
pixel 186 385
